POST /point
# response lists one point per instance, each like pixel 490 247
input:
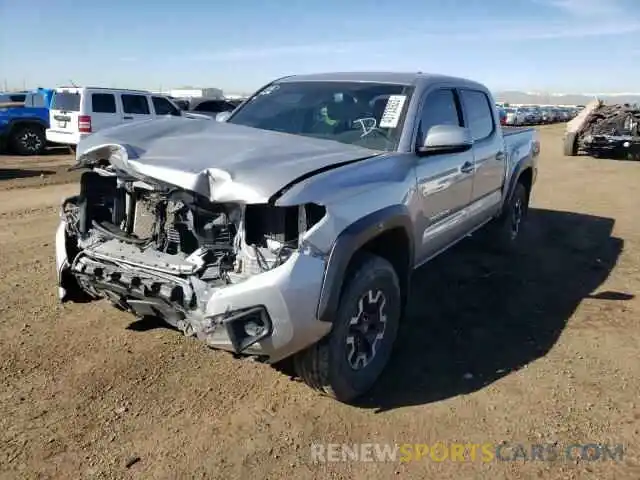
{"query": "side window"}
pixel 228 106
pixel 162 106
pixel 37 101
pixel 103 103
pixel 439 108
pixel 211 106
pixel 135 104
pixel 18 98
pixel 479 113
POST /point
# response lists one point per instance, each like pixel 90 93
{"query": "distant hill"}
pixel 516 97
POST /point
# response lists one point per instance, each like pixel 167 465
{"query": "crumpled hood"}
pixel 222 161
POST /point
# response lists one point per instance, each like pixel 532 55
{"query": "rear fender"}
pixel 520 167
pixel 27 121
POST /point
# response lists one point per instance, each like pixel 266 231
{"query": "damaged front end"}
pixel 241 276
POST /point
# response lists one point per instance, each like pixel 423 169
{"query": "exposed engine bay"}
pixel 161 251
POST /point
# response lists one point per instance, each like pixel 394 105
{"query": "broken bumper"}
pixel 270 315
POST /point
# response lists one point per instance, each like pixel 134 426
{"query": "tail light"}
pixel 84 123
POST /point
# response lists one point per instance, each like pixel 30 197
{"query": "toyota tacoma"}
pixel 291 227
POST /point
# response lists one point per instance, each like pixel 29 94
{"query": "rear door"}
pixel 65 108
pixel 488 149
pixel 135 106
pixel 104 110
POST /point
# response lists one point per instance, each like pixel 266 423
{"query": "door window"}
pixel 135 104
pixel 479 114
pixel 439 108
pixel 103 103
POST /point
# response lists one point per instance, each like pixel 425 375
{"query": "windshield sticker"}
pixel 392 111
pixel 270 89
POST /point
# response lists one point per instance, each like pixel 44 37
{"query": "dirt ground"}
pixel 541 348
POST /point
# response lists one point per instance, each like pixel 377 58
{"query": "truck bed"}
pixel 508 130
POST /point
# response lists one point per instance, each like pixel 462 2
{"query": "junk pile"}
pixel 612 120
pixel 606 131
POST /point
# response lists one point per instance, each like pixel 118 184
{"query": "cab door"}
pixel 488 150
pixel 444 181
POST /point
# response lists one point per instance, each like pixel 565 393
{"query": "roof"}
pixel 403 78
pixel 106 89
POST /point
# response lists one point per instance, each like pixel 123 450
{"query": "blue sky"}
pixel 238 45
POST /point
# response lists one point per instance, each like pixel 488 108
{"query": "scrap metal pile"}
pixel 612 120
pixel 611 131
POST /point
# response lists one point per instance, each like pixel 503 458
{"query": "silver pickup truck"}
pixel 292 227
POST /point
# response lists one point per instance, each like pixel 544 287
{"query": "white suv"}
pixel 79 111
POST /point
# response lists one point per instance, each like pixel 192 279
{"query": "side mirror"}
pixel 222 116
pixel 446 139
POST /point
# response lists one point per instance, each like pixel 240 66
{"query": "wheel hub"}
pixel 366 329
pixel 516 218
pixel 31 141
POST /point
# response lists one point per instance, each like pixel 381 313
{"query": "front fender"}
pixel 348 242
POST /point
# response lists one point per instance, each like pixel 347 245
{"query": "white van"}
pixel 79 111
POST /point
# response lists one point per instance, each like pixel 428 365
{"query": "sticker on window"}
pixel 270 89
pixel 392 111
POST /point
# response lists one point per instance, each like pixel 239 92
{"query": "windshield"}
pixel 367 114
pixel 67 101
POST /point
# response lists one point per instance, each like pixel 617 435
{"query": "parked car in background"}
pixel 23 124
pixel 515 116
pixel 181 103
pixel 77 112
pixel 502 113
pixel 212 106
pixel 546 116
pixel 559 115
pixel 532 116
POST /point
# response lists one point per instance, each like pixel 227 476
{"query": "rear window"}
pixel 135 104
pixel 103 103
pixel 34 100
pixel 67 101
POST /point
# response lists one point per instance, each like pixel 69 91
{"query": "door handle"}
pixel 467 167
pixel 500 156
pixel 127 117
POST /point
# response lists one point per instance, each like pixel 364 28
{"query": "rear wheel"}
pixel 28 140
pixel 506 230
pixel 347 362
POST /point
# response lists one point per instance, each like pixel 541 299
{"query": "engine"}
pixel 122 225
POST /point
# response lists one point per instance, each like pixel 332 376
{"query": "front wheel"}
pixel 346 363
pixel 28 140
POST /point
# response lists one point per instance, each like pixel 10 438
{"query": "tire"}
pixel 506 230
pixel 570 147
pixel 28 140
pixel 334 366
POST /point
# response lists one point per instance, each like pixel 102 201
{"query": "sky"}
pixel 573 46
